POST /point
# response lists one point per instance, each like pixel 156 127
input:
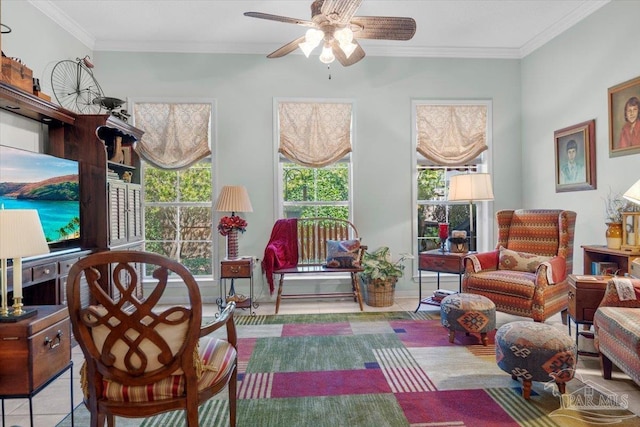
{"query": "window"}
pixel 314 175
pixel 178 207
pixel 177 170
pixel 456 138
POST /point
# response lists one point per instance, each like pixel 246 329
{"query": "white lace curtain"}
pixel 451 135
pixel 175 135
pixel 314 134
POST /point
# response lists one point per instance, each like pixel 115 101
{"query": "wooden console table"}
pixel 241 268
pixel 34 352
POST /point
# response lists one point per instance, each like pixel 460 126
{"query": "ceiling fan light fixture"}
pixel 344 35
pixel 306 48
pixel 327 56
pixel 348 48
pixel 313 36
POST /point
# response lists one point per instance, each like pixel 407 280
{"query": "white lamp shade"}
pixel 470 187
pixel 633 193
pixel 21 234
pixel 233 198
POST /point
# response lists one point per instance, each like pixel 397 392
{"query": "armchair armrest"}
pixel 612 298
pixel 555 269
pixel 482 261
pixel 225 318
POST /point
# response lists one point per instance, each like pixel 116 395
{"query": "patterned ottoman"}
pixel 468 313
pixel 534 351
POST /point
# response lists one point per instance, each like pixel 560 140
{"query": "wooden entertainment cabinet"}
pixel 110 209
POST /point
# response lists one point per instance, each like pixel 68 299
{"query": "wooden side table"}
pixel 241 268
pixel 33 353
pixel 440 262
pixel 585 294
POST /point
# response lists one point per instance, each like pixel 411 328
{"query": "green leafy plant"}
pixel 379 267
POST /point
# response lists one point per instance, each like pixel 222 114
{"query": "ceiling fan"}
pixel 333 23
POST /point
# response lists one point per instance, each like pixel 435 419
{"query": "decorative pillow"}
pixel 343 253
pixel 520 261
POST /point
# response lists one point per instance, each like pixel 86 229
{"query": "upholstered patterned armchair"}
pixel 526 274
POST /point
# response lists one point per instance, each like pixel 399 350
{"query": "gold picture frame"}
pixel 575 151
pixel 624 135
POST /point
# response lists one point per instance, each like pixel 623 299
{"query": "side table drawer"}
pixel 45 272
pixel 50 351
pixel 441 264
pixel 235 269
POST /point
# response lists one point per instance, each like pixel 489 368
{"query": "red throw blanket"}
pixel 282 249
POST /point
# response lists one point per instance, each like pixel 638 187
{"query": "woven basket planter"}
pixel 380 292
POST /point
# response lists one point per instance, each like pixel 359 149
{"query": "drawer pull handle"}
pixel 55 342
pixel 235 269
pixel 571 295
pixel 47 271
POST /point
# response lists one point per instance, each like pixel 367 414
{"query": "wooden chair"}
pixel 139 360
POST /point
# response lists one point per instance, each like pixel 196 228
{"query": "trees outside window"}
pixel 178 215
pixel 315 192
pixel 433 207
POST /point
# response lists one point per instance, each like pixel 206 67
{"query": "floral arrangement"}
pixel 228 223
pixel 613 206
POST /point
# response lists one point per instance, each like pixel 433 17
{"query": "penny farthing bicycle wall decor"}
pixel 76 88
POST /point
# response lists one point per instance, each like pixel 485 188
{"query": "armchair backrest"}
pixel 547 232
pixel 127 339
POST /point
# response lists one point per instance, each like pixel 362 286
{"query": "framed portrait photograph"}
pixel 624 121
pixel 575 148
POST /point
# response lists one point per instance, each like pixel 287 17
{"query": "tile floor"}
pixel 52 404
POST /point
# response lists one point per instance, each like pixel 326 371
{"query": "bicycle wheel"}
pixel 75 88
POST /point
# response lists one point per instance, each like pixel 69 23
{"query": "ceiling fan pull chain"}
pixel 329 70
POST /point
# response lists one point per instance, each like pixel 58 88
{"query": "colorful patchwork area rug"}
pixel 383 369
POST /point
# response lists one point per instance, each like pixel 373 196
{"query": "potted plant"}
pixel 380 276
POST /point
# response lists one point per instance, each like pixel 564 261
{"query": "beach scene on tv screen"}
pixel 45 183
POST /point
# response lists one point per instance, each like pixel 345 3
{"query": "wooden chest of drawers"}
pixel 443 262
pixel 34 350
pixel 585 294
pixel 241 268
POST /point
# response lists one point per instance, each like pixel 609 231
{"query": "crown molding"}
pixel 52 12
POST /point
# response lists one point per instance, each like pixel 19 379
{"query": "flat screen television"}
pixel 47 184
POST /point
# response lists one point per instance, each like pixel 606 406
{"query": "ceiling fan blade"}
pixel 384 27
pixel 356 56
pixel 340 11
pixel 287 48
pixel 279 18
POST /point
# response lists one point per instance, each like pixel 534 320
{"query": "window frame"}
pixel 484 220
pixel 280 160
pixel 203 280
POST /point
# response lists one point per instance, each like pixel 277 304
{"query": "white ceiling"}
pixel 445 28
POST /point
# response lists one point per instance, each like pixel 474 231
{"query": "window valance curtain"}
pixel 451 134
pixel 314 134
pixel 176 135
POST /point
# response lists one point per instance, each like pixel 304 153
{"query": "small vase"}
pixel 614 235
pixel 232 244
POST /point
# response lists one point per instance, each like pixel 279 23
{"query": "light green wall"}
pixel 565 83
pixel 244 86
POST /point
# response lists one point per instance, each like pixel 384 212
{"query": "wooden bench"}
pixel 313 234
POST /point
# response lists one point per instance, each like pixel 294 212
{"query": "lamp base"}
pixel 11 317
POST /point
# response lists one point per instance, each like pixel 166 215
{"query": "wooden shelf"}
pixel 25 104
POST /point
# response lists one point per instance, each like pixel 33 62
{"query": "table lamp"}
pixel 232 198
pixel 21 235
pixel 471 187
